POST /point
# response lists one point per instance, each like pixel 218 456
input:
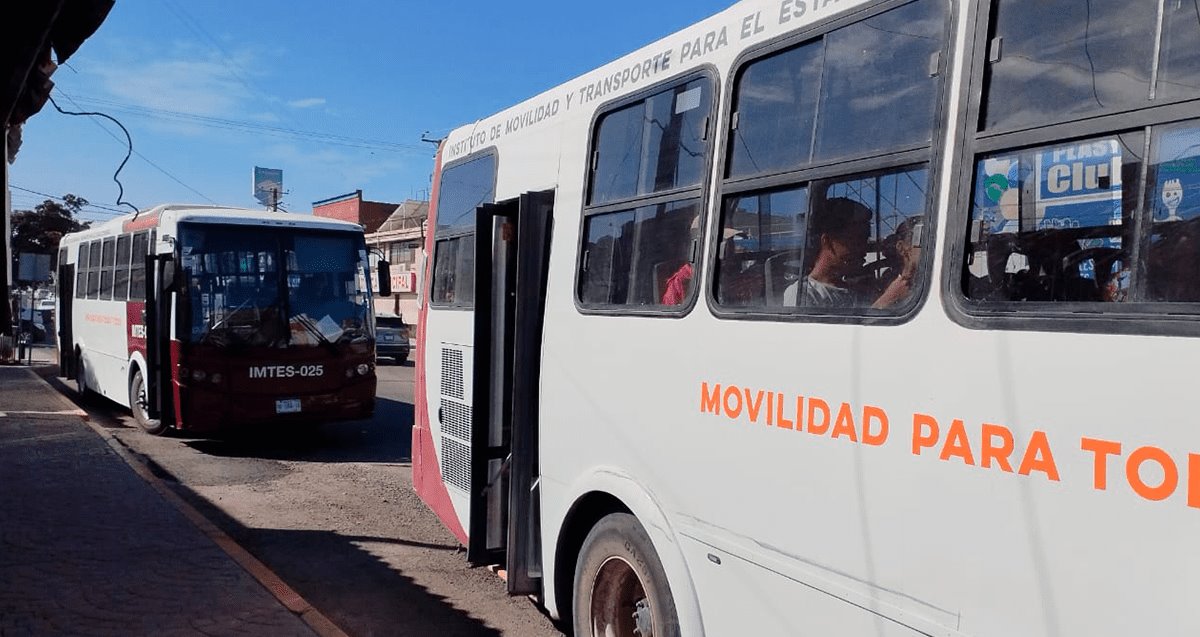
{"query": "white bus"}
pixel 833 317
pixel 201 318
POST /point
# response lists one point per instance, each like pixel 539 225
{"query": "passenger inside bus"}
pixel 838 239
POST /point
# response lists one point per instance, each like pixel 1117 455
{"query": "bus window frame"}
pixel 118 267
pixel 931 155
pixel 451 233
pixel 82 254
pixel 95 248
pixel 134 262
pixel 703 192
pixel 109 246
pixel 1145 318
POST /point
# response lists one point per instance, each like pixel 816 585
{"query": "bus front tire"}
pixel 138 401
pixel 81 386
pixel 620 585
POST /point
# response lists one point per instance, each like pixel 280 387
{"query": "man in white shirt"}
pixel 839 231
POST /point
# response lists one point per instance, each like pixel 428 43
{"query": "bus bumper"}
pixel 211 410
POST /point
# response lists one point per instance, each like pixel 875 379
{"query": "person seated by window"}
pixel 901 256
pixel 838 233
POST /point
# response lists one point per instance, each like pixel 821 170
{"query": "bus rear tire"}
pixel 620 585
pixel 138 401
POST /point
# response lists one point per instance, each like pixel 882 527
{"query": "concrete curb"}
pixel 289 598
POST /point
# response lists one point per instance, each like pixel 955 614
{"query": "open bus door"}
pixel 66 298
pixel 160 280
pixel 512 246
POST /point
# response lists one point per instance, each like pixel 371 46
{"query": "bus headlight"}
pixel 363 369
pixel 199 375
pixel 216 378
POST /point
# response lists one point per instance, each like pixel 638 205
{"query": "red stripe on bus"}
pixel 427 475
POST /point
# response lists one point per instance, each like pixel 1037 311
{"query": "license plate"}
pixel 287 406
pixel 388 338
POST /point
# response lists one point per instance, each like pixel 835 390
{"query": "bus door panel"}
pixel 66 339
pixel 533 255
pixel 512 248
pixel 495 275
pixel 158 334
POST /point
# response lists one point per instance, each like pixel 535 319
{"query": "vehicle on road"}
pixel 948 250
pixel 200 318
pixel 391 337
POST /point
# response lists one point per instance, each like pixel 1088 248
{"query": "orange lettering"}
pixel 815 405
pixel 957 444
pixel 782 422
pixel 799 413
pixel 1038 457
pixel 1194 480
pixel 845 423
pixel 710 402
pixel 1170 473
pixel 880 416
pixel 770 408
pixel 733 412
pixel 752 406
pixel 921 423
pixel 1102 449
pixel 991 452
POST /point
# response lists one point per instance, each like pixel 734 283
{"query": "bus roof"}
pixel 745 24
pixel 171 214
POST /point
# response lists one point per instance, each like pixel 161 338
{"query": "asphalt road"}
pixel 332 511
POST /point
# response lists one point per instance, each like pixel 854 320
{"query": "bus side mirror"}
pixel 383 271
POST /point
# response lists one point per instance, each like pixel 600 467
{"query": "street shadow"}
pixel 100 410
pixel 385 438
pixel 338 575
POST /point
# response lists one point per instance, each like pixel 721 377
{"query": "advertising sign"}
pixel 1072 186
pixel 268 185
pixel 404 282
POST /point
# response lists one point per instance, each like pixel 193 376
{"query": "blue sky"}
pixel 208 89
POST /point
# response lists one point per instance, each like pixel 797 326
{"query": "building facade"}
pixel 400 240
pixel 353 208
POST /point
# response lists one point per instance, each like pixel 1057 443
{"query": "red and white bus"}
pixel 200 318
pixel 832 317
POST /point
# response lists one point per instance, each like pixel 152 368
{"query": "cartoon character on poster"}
pixel 998 204
pixel 1172 196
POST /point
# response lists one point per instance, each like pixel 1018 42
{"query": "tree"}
pixel 38 231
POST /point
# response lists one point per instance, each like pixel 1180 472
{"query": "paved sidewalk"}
pixel 90 547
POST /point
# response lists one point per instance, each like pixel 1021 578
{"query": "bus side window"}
pixel 121 269
pixel 1078 212
pixel 137 268
pixel 107 259
pixel 81 270
pixel 641 248
pixel 801 234
pixel 640 257
pixel 93 284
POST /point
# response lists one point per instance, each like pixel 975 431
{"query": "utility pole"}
pixel 274 200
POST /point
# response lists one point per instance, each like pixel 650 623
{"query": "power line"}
pixel 141 156
pixel 227 60
pixel 103 210
pixel 255 127
pixel 128 152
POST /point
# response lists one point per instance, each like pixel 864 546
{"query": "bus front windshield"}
pixel 273 287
